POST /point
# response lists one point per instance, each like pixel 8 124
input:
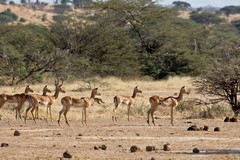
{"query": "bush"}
pixel 185 106
pixel 60 9
pixel 44 18
pixel 22 20
pixel 5 19
pixel 216 111
pixel 12 3
pixel 8 16
pixel 210 112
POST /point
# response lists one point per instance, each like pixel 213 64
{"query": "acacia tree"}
pixel 221 82
pixel 27 52
pixel 181 5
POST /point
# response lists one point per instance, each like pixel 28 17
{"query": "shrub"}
pixel 8 16
pixel 44 18
pixel 12 3
pixel 5 19
pixel 214 111
pixel 22 20
pixel 185 106
pixel 61 8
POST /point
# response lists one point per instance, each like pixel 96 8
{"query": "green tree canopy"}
pixel 181 5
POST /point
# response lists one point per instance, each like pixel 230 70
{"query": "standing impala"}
pixel 83 103
pixel 35 100
pixel 170 101
pixel 16 98
pixel 45 91
pixel 128 100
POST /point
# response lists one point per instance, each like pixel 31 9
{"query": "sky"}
pixel 193 3
pixel 203 3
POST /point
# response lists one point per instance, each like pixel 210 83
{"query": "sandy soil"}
pixel 50 141
pixel 43 140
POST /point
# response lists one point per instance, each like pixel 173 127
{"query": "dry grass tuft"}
pixel 112 86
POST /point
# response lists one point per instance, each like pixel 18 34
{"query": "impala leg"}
pixel 33 114
pixel 60 114
pixel 65 115
pixel 50 111
pixel 172 116
pixel 19 109
pixel 19 112
pixel 16 115
pixel 152 117
pixel 113 116
pixel 128 111
pixel 36 112
pixel 82 116
pixel 85 116
pixel 148 113
pixel 47 114
pixel 27 112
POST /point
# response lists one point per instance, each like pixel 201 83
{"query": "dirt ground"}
pixel 43 140
pixel 49 141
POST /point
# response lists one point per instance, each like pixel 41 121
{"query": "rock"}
pixel 150 148
pixel 167 147
pixel 227 119
pixel 196 150
pixel 103 147
pixel 216 129
pixel 95 147
pixel 233 119
pixel 134 148
pixel 205 128
pixel 66 154
pixel 137 134
pixel 193 128
pixel 16 133
pixel 4 145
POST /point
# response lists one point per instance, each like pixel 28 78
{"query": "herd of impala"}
pixel 67 102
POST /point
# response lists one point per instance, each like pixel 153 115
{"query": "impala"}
pixel 128 100
pixel 45 91
pixel 170 101
pixel 83 103
pixel 35 100
pixel 16 98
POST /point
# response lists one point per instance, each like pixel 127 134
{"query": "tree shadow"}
pixel 213 151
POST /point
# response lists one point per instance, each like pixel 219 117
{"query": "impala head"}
pixel 60 89
pixel 136 90
pixel 59 86
pixel 45 89
pixel 28 89
pixel 95 92
pixel 183 90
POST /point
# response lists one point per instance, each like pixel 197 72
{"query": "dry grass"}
pixel 49 141
pixel 108 87
pixel 112 86
pixel 31 15
pixel 34 16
